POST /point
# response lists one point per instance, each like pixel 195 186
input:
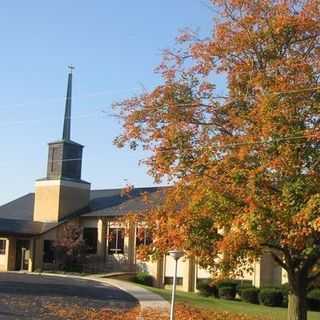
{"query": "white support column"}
pixel 101 243
pixel 160 269
pixel 188 273
pixel 31 255
pixel 132 244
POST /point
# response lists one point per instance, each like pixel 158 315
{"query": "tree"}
pixel 246 162
pixel 70 249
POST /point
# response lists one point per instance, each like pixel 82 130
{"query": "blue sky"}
pixel 115 45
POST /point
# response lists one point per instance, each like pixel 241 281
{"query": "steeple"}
pixel 62 192
pixel 67 115
pixel 65 156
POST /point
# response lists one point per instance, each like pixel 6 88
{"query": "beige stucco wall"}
pixel 267 272
pixel 284 276
pixel 202 273
pixel 38 244
pixel 4 257
pixel 12 253
pixel 38 254
pixel 55 199
pixel 38 247
pixel 187 270
pixel 7 261
pixel 89 222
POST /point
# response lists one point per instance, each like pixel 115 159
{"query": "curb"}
pixel 146 298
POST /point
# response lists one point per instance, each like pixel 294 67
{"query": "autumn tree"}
pixel 243 159
pixel 70 248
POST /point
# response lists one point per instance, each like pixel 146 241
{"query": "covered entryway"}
pixel 22 254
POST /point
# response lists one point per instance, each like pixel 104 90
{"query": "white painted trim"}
pixel 64 183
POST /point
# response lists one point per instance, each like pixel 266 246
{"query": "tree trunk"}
pixel 297 307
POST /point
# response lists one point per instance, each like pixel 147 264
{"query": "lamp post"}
pixel 176 255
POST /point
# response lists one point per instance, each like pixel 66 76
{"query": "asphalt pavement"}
pixel 27 297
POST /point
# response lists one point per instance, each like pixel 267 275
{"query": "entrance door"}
pixel 22 254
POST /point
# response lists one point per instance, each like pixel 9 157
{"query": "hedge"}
pixel 206 288
pixel 228 293
pixel 313 300
pixel 250 295
pixel 144 278
pixel 285 293
pixel 271 297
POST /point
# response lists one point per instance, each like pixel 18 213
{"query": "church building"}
pixel 31 224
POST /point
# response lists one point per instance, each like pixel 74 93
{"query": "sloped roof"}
pixel 24 227
pixel 16 216
pixel 112 203
pixel 21 208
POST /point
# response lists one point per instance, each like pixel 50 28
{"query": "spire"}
pixel 67 116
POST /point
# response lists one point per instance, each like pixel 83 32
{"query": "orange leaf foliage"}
pixel 244 165
pixel 183 312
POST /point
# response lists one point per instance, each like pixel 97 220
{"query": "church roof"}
pixel 24 227
pixel 16 216
pixel 19 209
pixel 112 202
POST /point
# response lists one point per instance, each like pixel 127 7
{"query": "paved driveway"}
pixel 25 296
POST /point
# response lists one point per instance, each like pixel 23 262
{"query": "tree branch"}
pixel 313 277
pixel 278 260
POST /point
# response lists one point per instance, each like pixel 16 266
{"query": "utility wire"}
pixel 62 98
pixel 128 90
pixel 289 139
pixel 189 105
pixel 271 141
pixel 40 120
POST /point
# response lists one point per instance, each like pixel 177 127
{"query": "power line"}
pixel 39 120
pixel 94 94
pixel 296 90
pixel 62 98
pixel 270 141
pixel 190 104
pixel 290 139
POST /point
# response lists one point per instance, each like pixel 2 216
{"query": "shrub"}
pixel 285 294
pixel 313 300
pixel 271 297
pixel 250 295
pixel 206 288
pixel 228 293
pixel 144 278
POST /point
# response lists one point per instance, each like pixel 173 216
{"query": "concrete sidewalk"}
pixel 146 298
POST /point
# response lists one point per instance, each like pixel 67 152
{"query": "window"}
pixel 116 240
pixel 169 281
pixel 90 237
pixel 3 244
pixel 144 237
pixel 48 251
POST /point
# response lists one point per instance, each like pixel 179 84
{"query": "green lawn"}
pixel 231 306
